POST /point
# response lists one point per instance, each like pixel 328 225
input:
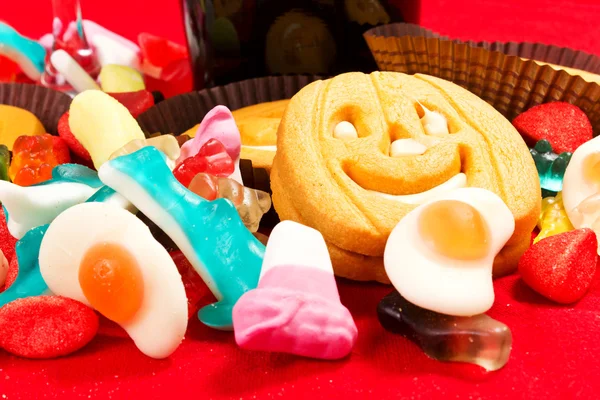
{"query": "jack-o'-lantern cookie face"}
pixel 356 153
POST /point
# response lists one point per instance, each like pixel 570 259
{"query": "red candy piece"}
pixel 34 157
pixel 195 288
pixel 211 159
pixel 11 274
pixel 564 125
pixel 165 65
pixel 7 241
pixel 561 267
pixel 46 326
pixel 64 131
pixel 136 102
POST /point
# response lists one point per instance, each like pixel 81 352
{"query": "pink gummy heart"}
pixel 561 267
pixel 564 125
pixel 217 124
pixel 46 326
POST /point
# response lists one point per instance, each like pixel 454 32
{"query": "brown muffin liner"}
pixel 180 113
pixel 46 104
pixel 511 82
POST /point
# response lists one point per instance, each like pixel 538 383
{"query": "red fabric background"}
pixel 555 348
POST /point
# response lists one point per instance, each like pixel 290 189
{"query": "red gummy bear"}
pixel 561 267
pixel 46 326
pixel 195 288
pixel 212 159
pixel 34 157
pixel 564 125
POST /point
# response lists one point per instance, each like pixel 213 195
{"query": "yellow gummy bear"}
pixel 553 218
pixel 102 124
pixel 120 79
pixel 15 122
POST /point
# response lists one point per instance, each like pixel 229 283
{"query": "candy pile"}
pixel 81 55
pixel 104 221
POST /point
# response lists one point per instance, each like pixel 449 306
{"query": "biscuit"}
pixel 343 187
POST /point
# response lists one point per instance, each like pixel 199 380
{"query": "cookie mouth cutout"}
pixel 457 181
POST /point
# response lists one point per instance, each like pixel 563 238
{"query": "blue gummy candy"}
pixel 210 234
pixel 27 53
pixel 29 281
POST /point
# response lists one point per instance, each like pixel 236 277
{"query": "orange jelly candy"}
pixel 112 282
pixel 34 157
pixel 455 229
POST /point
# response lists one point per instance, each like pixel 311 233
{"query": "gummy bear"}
pixel 477 340
pixel 553 218
pixel 212 159
pixel 550 166
pixel 251 204
pixel 35 156
pixel 165 143
pixel 4 162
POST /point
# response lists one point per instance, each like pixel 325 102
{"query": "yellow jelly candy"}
pixel 15 122
pixel 102 124
pixel 120 79
pixel 553 218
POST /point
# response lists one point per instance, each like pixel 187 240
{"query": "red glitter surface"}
pixel 554 356
pixel 564 125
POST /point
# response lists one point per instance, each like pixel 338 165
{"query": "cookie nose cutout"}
pixel 454 229
pixel 406 147
pixel 345 131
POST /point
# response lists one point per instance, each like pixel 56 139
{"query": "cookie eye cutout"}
pixel 345 130
pixel 455 229
pixel 434 123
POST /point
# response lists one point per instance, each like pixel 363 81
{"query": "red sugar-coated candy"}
pixel 561 267
pixel 212 159
pixel 136 102
pixel 64 131
pixel 13 271
pixel 7 241
pixel 564 125
pixel 195 288
pixel 46 326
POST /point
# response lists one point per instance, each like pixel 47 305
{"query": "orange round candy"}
pixel 455 229
pixel 112 282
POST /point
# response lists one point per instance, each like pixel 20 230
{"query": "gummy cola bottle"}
pixel 67 29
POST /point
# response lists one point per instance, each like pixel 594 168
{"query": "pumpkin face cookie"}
pixel 356 153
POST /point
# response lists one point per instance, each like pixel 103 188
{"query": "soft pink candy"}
pixel 296 310
pixel 217 124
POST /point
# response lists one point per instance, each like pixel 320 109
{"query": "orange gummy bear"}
pixel 111 280
pixel 34 157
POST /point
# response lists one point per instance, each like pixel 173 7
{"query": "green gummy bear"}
pixel 4 162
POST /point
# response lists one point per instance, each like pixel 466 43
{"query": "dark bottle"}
pixel 232 40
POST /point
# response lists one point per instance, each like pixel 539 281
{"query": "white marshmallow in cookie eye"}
pixel 345 130
pixel 406 147
pixel 434 123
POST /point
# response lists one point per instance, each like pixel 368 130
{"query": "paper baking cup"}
pixel 46 104
pixel 505 75
pixel 180 113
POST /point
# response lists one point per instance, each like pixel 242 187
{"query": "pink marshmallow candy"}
pixel 296 307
